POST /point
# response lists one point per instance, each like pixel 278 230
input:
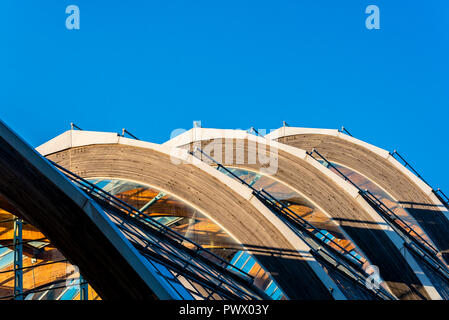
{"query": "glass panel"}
pixel 330 231
pixel 364 183
pixel 190 223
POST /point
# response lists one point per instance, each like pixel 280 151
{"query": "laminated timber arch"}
pixel 223 200
pixel 337 198
pixel 382 168
pixel 75 224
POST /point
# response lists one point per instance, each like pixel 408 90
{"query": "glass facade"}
pixel 411 225
pixel 329 231
pixel 191 224
pixel 47 275
pixel 366 184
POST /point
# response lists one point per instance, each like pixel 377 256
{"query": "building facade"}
pixel 218 214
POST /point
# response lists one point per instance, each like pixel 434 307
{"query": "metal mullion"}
pixel 187 263
pixel 196 280
pixel 211 276
pixel 18 260
pixel 123 204
pixel 279 206
pixel 198 287
pixel 155 240
pixel 112 201
pixel 377 201
pixel 188 257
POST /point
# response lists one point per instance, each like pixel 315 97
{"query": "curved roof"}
pixel 337 198
pixel 382 168
pixel 74 223
pixel 223 200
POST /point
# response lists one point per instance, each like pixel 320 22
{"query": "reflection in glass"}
pixel 192 224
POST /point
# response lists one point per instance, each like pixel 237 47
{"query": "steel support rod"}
pixel 159 196
pixel 255 131
pixel 18 260
pixel 344 130
pixel 124 131
pixel 74 126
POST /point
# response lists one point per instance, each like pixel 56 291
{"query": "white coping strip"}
pixel 347 187
pixel 83 138
pixel 354 193
pixel 294 240
pixel 92 210
pixel 290 131
pixel 188 137
pixel 196 134
pixel 76 138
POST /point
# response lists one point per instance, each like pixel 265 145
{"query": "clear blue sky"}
pixel 153 66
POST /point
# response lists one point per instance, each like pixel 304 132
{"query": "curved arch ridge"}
pixel 226 202
pixel 379 166
pixel 341 201
pixel 74 223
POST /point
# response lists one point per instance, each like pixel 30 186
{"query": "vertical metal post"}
pixel 84 289
pixel 18 260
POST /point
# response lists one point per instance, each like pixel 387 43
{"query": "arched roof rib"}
pixel 337 198
pixel 74 223
pixel 383 169
pixel 223 200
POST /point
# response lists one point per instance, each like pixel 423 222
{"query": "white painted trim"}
pixel 84 138
pixel 339 181
pixel 290 131
pixel 92 210
pixel 197 134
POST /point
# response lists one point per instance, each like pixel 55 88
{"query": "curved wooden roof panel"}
pixel 223 200
pixel 363 225
pixel 383 169
pixel 74 223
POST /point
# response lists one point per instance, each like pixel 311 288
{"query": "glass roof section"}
pixel 366 184
pixel 301 206
pixel 190 223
